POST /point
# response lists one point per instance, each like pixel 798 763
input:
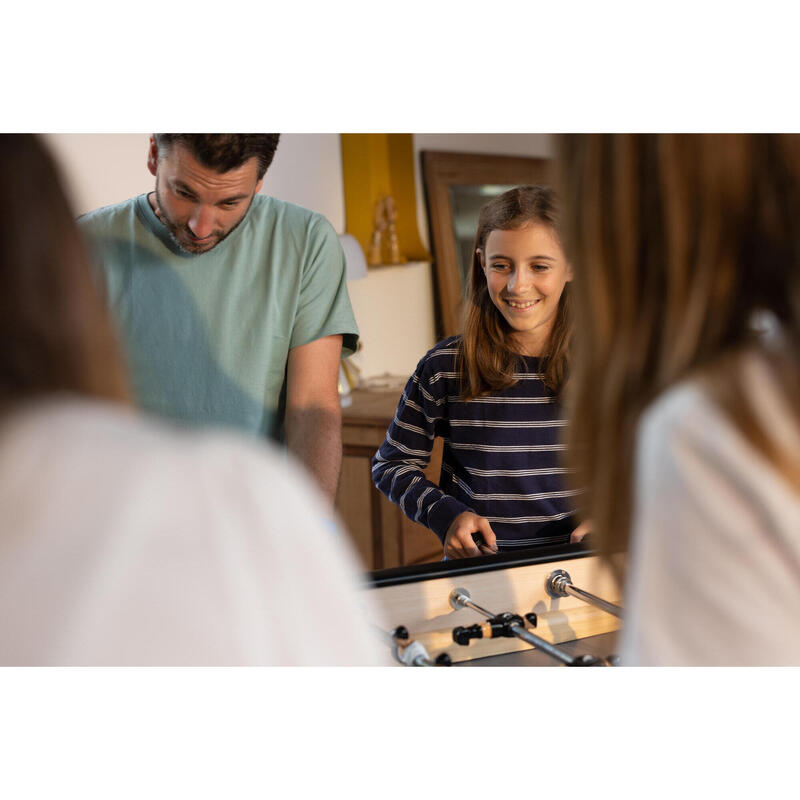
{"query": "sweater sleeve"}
pixel 398 466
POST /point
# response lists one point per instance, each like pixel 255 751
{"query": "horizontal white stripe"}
pixel 491 448
pixel 411 404
pixel 442 374
pixel 507 543
pixel 485 423
pixel 413 428
pixel 517 376
pixel 403 449
pixel 524 520
pixel 521 497
pixel 522 473
pixel 398 468
pixel 502 400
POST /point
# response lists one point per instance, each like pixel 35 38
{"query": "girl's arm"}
pixel 398 466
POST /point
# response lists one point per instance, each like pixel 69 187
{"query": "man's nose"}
pixel 201 222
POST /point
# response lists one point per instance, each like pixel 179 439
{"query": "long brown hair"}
pixel 487 364
pixel 676 241
pixel 54 327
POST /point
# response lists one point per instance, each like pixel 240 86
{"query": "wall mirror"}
pixel 456 186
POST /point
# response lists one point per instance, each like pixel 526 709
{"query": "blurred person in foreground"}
pixel 686 386
pixel 124 542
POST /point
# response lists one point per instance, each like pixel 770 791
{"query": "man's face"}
pixel 198 205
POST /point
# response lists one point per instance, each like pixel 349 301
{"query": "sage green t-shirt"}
pixel 207 336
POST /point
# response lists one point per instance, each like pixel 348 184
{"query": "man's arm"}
pixel 313 412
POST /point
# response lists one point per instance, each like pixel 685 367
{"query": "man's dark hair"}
pixel 224 151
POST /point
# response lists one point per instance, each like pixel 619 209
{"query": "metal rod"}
pixel 542 644
pixel 559 584
pixel 479 609
pixel 460 598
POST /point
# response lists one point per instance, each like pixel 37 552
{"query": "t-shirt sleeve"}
pixel 324 305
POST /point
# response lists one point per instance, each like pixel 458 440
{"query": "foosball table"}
pixel 549 606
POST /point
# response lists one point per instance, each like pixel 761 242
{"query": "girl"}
pixel 686 413
pixel 492 394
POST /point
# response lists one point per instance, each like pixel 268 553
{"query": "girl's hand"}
pixel 458 542
pixel 581 531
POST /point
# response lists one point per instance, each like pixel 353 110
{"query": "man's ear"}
pixel 152 156
pixel 258 185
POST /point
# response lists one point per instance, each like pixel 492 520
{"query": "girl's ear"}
pixel 480 258
pixel 570 274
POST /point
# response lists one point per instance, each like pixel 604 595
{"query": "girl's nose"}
pixel 519 282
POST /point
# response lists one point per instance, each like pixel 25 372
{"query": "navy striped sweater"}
pixel 501 456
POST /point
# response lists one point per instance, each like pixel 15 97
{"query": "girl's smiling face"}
pixel 526 272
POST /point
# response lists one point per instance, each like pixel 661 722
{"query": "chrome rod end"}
pixel 458 598
pixel 556 582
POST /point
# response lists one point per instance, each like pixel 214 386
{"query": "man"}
pixel 232 306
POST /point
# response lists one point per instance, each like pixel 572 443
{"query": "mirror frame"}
pixel 440 171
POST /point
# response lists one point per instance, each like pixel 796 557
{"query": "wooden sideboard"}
pixel 383 535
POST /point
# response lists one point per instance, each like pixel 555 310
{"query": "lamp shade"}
pixel 354 257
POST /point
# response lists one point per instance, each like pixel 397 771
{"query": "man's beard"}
pixel 174 230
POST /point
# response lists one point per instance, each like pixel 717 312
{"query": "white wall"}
pixel 102 169
pixel 307 170
pixel 394 310
pixel 393 306
pixel 106 168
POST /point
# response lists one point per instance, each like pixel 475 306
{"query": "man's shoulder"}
pixel 107 217
pixel 285 214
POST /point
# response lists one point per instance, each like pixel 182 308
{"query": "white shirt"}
pixel 715 558
pixel 123 542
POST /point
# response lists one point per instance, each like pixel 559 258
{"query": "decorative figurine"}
pixel 376 241
pixel 395 256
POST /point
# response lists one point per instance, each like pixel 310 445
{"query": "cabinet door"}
pixel 381 533
pixel 355 505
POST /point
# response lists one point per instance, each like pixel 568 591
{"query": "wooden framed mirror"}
pixel 456 186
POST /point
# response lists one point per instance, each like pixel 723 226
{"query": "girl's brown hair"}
pixel 487 364
pixel 676 242
pixel 54 326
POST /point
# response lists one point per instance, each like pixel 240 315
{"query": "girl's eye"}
pixel 499 266
pixel 540 267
